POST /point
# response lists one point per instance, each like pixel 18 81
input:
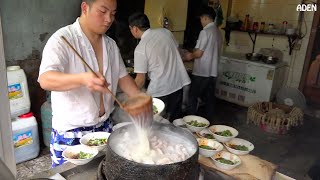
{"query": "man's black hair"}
pixel 139 20
pixel 208 11
pixel 89 1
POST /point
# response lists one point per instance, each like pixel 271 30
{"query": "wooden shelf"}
pixel 253 36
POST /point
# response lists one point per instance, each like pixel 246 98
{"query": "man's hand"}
pixel 94 83
pixel 188 56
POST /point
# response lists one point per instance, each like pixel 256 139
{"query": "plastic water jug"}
pixel 46 120
pixel 25 137
pixel 18 91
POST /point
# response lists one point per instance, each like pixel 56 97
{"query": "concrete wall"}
pixel 27 25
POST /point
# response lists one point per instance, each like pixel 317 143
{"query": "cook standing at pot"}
pixel 80 101
pixel 157 54
pixel 205 67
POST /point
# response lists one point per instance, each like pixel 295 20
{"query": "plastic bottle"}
pixel 18 91
pixel 284 27
pixel 245 26
pixel 262 26
pixel 255 26
pixel 46 120
pixel 25 137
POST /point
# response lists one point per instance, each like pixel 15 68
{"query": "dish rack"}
pixel 274 118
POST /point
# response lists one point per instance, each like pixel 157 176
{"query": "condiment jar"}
pixel 284 27
pixel 262 26
pixel 246 23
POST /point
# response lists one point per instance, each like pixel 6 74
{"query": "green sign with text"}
pixel 239 77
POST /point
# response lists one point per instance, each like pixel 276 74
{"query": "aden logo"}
pixel 307 7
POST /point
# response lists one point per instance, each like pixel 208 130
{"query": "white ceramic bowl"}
pixel 238 141
pixel 219 128
pixel 204 134
pixel 199 119
pixel 226 155
pixel 180 123
pixel 73 150
pixel 211 143
pixel 159 104
pixel 119 125
pixel 84 140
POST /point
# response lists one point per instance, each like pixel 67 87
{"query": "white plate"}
pixel 211 143
pixel 238 141
pixel 180 123
pixel 203 133
pixel 220 128
pixel 159 104
pixel 199 119
pixel 84 140
pixel 226 155
pixel 73 150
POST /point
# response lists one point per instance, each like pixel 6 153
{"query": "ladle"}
pixel 87 65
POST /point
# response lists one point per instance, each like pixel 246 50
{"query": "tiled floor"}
pixel 28 168
pixel 294 153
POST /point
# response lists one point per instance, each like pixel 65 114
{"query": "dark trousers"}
pixel 173 103
pixel 204 88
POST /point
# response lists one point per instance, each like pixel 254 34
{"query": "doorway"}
pixel 310 79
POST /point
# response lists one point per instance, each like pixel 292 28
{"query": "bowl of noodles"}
pixel 95 140
pixel 79 154
pixel 157 106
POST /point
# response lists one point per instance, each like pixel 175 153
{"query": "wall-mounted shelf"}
pixel 253 36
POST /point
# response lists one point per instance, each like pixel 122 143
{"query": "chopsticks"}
pixel 87 65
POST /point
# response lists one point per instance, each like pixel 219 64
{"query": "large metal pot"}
pixel 118 167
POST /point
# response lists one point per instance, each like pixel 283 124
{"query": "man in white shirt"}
pixel 205 68
pixel 157 54
pixel 80 101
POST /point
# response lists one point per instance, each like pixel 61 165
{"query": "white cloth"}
pixel 210 42
pixel 80 107
pixel 157 54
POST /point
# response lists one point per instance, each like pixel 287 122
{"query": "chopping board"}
pixel 251 168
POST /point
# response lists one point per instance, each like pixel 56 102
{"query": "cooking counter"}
pixel 89 171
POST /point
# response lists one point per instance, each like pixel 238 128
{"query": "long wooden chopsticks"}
pixel 87 65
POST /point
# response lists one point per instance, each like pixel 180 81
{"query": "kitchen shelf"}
pixel 253 36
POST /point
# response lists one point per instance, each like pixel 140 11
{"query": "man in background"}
pixel 205 68
pixel 157 56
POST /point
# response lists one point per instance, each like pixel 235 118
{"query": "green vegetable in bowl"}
pixel 207 147
pixel 226 133
pixel 97 142
pixel 155 109
pixel 183 126
pixel 82 155
pixel 239 147
pixel 225 161
pixel 208 136
pixel 196 123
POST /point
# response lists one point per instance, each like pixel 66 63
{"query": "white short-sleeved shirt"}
pixel 157 54
pixel 210 42
pixel 80 107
